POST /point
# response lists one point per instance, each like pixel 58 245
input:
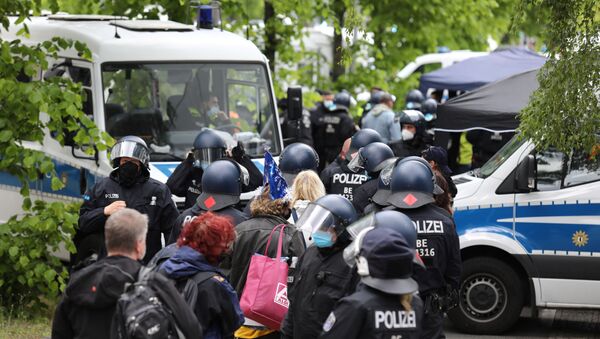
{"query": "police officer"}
pixel 321 277
pixel 372 159
pixel 316 116
pixel 333 127
pixel 382 193
pixel 338 178
pixel 413 99
pixel 385 304
pixel 299 130
pixel 129 185
pixel 186 180
pixel 412 187
pixel 414 138
pixel 429 110
pixel 222 184
pixel 295 158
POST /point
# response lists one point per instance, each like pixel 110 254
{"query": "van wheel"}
pixel 491 297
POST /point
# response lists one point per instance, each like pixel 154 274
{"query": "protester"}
pixel 88 305
pixel 438 159
pixel 201 246
pixel 382 119
pixel 307 188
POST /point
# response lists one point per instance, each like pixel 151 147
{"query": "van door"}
pixel 559 224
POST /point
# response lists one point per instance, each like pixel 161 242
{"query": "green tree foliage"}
pixel 28 273
pixel 565 110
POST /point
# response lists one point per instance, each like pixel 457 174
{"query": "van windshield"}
pixel 500 157
pixel 168 104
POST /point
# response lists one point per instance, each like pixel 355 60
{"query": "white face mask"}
pixel 407 135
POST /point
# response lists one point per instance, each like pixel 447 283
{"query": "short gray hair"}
pixel 124 229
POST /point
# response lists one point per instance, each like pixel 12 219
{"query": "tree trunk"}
pixel 270 35
pixel 338 68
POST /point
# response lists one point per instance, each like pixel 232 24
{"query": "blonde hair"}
pixel 406 301
pixel 307 186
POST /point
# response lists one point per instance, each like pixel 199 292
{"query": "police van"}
pixel 529 228
pixel 159 80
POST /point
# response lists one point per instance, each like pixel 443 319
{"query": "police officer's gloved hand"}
pixel 190 158
pixel 238 152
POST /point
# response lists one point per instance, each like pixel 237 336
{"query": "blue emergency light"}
pixel 205 17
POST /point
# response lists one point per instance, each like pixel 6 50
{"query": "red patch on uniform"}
pixel 94 289
pixel 209 202
pixel 410 199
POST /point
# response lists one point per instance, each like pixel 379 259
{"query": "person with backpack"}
pixel 201 246
pixel 87 307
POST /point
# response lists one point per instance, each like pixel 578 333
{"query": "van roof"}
pixel 141 45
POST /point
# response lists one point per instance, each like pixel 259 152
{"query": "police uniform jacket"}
pixel 403 149
pixel 438 246
pixel 369 313
pixel 147 196
pixel 363 194
pixel 186 181
pixel 186 216
pixel 321 279
pixel 330 130
pixel 339 179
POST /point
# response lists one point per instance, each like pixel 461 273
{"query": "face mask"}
pixel 328 104
pixel 407 135
pixel 213 110
pixel 322 239
pixel 128 174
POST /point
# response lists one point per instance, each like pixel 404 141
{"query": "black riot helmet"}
pixel 415 118
pixel 296 158
pixel 429 109
pixel 343 99
pixel 208 147
pixel 412 184
pixel 371 158
pixel 331 210
pixel 130 147
pixel 362 138
pixel 222 183
pixel 414 99
pixel 383 183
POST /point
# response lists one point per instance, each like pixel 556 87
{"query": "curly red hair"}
pixel 209 234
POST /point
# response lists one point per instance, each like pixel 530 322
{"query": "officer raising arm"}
pixel 385 304
pixel 129 185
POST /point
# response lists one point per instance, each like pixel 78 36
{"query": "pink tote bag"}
pixel 264 298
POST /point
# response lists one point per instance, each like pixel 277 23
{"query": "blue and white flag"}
pixel 271 174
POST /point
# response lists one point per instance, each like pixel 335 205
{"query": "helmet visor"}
pixel 357 163
pixel 244 175
pixel 130 149
pixel 208 155
pixel 316 218
pixel 353 250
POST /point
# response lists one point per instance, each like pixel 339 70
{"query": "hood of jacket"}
pixel 100 284
pixel 186 262
pixel 379 108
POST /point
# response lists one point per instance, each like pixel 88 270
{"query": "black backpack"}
pixel 153 308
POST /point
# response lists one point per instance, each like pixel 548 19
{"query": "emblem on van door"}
pixel 580 238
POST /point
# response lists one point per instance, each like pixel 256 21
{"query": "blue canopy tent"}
pixel 476 72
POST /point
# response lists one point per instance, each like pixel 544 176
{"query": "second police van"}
pixel 156 80
pixel 529 228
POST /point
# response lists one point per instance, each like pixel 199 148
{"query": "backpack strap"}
pixel 294 215
pixel 190 290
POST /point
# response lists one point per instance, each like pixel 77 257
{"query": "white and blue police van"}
pixel 152 79
pixel 529 228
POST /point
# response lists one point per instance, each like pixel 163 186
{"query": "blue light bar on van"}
pixel 205 17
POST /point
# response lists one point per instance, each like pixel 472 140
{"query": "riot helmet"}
pixel 130 147
pixel 414 99
pixel 412 184
pixel 390 219
pixel 383 183
pixel 328 215
pixel 362 138
pixel 414 118
pixel 429 109
pixel 222 183
pixel 343 99
pixel 371 158
pixel 436 188
pixel 296 158
pixel 208 147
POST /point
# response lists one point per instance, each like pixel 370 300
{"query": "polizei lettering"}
pixel 429 226
pixel 349 179
pixel 395 319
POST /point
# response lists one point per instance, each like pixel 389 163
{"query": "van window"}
pixel 549 169
pixel 582 168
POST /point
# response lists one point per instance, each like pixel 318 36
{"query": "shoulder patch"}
pixel 329 322
pixel 218 278
pixel 86 197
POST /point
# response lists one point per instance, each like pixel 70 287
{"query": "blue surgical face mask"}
pixel 322 239
pixel 213 110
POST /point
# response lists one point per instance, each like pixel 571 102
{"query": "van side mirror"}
pixel 525 176
pixel 294 104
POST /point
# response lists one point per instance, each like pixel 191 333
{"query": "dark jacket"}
pixel 186 216
pixel 339 179
pixel 440 252
pixel 403 149
pixel 186 182
pixel 89 302
pixel 369 313
pixel 330 130
pixel 252 236
pixel 148 196
pixel 321 279
pixel 363 194
pixel 217 307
